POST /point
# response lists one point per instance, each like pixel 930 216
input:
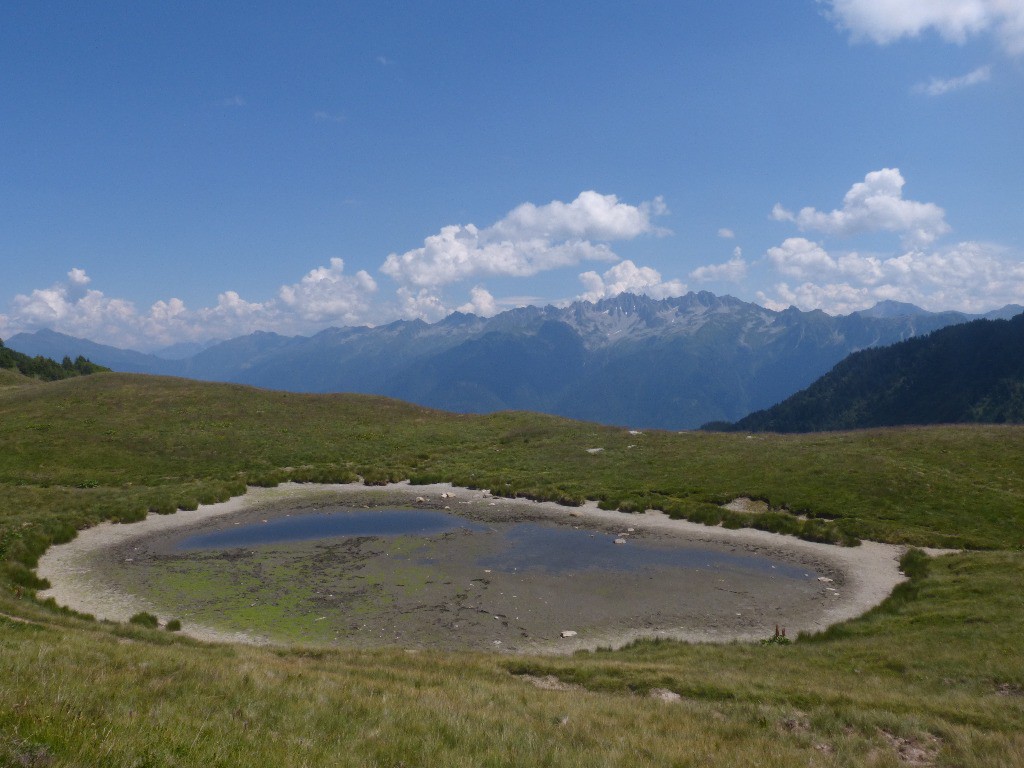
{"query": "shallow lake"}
pixel 330 524
pixel 520 546
pixel 366 568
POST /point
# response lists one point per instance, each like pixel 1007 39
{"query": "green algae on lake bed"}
pixel 457 589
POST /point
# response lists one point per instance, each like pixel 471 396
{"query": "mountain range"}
pixel 673 363
pixel 964 373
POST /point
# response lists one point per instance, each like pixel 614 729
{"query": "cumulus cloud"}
pixel 726 233
pixel 422 304
pixel 325 295
pixel 734 270
pixel 78 277
pixel 885 21
pixel 529 240
pixel 799 257
pixel 966 276
pixel 69 305
pixel 937 87
pixel 481 303
pixel 969 276
pixel 874 205
pixel 627 277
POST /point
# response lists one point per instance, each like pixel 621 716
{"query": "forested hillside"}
pixel 972 373
pixel 45 369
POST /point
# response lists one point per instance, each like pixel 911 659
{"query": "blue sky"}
pixel 186 172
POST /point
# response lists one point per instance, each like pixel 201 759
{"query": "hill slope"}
pixel 966 373
pixel 930 677
pixel 160 443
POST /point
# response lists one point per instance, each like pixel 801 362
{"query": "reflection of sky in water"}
pixel 522 546
pixel 323 525
pixel 559 549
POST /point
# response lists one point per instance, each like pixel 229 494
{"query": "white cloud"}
pixel 874 205
pixel 726 233
pixel 324 296
pixel 70 306
pixel 529 240
pixel 734 270
pixel 327 294
pixel 591 216
pixel 969 276
pixel 481 303
pixel 885 21
pixel 841 299
pixel 937 87
pixel 78 277
pixel 234 101
pixel 801 258
pixel 627 277
pixel 423 304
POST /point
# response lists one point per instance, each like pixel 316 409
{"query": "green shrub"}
pixel 144 619
pixel 174 625
pixel 163 508
pixel 915 563
pixel 20 575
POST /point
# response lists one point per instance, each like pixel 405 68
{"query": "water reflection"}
pixel 328 524
pixel 511 546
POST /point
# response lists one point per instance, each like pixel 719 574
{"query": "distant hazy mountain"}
pixel 184 350
pixel 57 346
pixel 674 363
pixel 964 373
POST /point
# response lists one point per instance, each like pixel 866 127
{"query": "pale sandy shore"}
pixel 862 577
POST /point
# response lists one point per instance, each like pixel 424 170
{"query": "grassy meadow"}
pixel 935 676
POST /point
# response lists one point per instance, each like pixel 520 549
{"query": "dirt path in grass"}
pixel 459 590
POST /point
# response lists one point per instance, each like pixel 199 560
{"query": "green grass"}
pixel 935 675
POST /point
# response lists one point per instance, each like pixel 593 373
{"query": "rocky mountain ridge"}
pixel 672 363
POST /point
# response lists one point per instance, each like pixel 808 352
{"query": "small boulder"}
pixel 664 694
pixel 568 633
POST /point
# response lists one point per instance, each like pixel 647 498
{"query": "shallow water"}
pixel 559 550
pixel 330 524
pixel 516 547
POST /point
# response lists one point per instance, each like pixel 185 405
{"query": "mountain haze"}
pixel 673 363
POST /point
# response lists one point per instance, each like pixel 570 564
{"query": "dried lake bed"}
pixel 449 568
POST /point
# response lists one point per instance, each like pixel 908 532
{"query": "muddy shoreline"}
pixel 436 592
